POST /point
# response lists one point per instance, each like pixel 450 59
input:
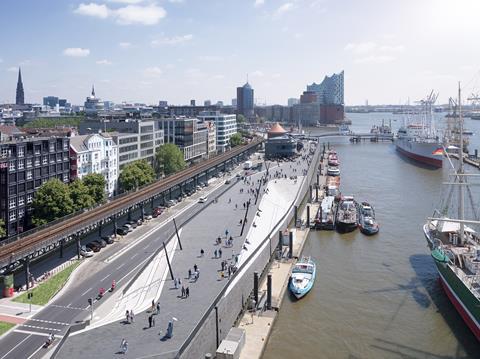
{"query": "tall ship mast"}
pixel 455 242
pixel 418 140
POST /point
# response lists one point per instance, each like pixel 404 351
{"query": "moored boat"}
pixel 366 222
pixel 302 277
pixel 325 218
pixel 347 215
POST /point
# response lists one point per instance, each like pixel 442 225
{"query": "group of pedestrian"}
pixel 218 253
pixel 130 318
pixel 185 292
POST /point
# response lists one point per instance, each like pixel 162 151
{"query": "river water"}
pixel 376 297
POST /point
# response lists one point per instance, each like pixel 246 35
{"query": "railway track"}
pixel 65 228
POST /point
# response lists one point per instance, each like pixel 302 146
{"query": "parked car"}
pixel 128 227
pixel 139 222
pixel 203 199
pixel 133 224
pixel 199 188
pixel 148 217
pixel 170 203
pixel 157 211
pixel 122 231
pixel 227 181
pixel 94 246
pixel 108 239
pixel 101 243
pixel 86 252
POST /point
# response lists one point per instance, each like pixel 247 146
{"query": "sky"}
pixel 177 50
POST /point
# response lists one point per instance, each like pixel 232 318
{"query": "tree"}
pixel 80 195
pixel 95 184
pixel 136 174
pixel 241 118
pixel 235 139
pixel 51 201
pixel 3 232
pixel 169 159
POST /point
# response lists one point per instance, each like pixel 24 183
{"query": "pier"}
pixel 372 137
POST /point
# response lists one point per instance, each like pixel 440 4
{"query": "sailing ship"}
pixel 455 245
pixel 418 139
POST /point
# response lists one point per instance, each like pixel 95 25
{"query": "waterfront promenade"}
pixel 200 233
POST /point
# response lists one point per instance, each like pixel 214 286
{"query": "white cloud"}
pixel 176 1
pixel 126 1
pixel 210 58
pixel 127 15
pixel 76 52
pixel 283 9
pixel 103 62
pixel 374 59
pixel 1 60
pixel 12 69
pixel 276 76
pixel 171 40
pixel 259 3
pixel 194 73
pixel 143 15
pixel 395 48
pixel 361 47
pixel 218 77
pixel 153 71
pixel 124 45
pixel 92 9
pixel 170 66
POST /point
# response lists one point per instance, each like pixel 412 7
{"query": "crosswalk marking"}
pixel 48 321
pixel 43 328
pixel 66 306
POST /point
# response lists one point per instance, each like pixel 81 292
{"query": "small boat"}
pixel 325 218
pixel 333 171
pixel 366 222
pixel 347 215
pixel 302 278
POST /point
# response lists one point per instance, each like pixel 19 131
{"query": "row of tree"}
pixel 55 199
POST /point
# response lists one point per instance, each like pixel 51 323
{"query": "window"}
pixel 29 198
pixel 29 162
pixel 21 152
pixel 12 203
pixel 52 147
pixel 44 160
pixel 37 161
pixel 21 201
pixel 65 146
pixel 13 215
pixel 12 166
pixel 21 212
pixel 29 175
pixel 65 177
pixel 20 165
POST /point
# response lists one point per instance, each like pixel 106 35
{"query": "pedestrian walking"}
pixel 220 252
pixel 150 318
pixel 132 318
pixel 187 292
pixel 153 304
pixel 183 291
pixel 215 253
pixel 153 321
pixel 158 308
pixel 195 267
pixel 127 316
pixel 189 273
pixel 202 252
pixel 236 206
pixel 124 346
pixel 175 283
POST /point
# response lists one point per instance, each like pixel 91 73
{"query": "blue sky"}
pixel 177 50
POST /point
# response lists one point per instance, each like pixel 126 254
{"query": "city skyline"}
pixel 177 50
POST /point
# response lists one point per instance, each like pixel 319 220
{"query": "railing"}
pixel 209 310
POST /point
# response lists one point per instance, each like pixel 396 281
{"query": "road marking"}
pixel 108 275
pixel 134 255
pixel 148 245
pixel 88 290
pixel 120 266
pixel 36 351
pixel 15 347
pixel 63 306
pixel 43 328
pixel 15 307
pixel 49 321
pixel 36 333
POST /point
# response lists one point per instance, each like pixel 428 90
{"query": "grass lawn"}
pixel 4 327
pixel 46 290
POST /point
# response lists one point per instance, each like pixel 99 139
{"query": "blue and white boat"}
pixel 302 278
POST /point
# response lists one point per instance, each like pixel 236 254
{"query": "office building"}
pixel 293 101
pixel 136 139
pixel 96 153
pixel 211 138
pixel 50 101
pixel 189 134
pixel 192 102
pixel 207 103
pixel 330 90
pixel 234 102
pixel 24 165
pixel 245 101
pixel 226 126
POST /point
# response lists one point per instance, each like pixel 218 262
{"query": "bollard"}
pixel 310 197
pixel 295 209
pixel 62 242
pixel 27 272
pixel 290 244
pixel 279 246
pixel 316 193
pixel 78 247
pixel 308 216
pixel 115 226
pixel 318 175
pixel 269 291
pixel 476 153
pixel 255 286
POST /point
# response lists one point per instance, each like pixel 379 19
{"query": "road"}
pixel 27 340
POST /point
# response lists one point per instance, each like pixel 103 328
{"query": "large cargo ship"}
pixel 455 245
pixel 417 138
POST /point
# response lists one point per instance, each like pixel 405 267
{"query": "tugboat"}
pixel 347 215
pixel 367 223
pixel 302 278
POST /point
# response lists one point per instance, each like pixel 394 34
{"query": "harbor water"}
pixel 376 297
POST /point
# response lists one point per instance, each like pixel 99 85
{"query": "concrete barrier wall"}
pixel 231 305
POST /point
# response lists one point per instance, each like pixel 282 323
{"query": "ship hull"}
pixel 421 152
pixel 464 301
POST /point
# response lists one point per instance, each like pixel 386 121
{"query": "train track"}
pixel 66 228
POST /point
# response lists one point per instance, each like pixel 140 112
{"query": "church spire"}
pixel 93 91
pixel 20 97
